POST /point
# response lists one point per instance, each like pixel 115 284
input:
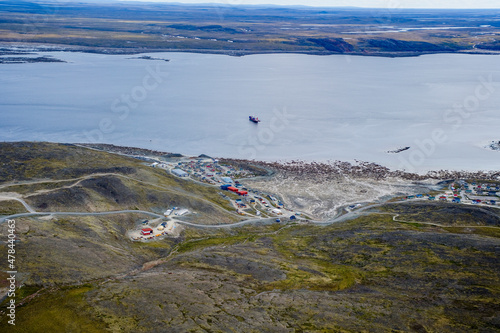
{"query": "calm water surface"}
pixel 445 107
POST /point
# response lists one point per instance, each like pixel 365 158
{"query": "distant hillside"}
pixel 230 28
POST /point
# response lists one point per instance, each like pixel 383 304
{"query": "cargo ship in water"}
pixel 254 119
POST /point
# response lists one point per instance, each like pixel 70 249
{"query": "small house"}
pixel 147 231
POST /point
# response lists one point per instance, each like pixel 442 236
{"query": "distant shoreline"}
pixel 24 48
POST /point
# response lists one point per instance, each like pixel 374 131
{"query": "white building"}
pixel 227 180
pixel 182 212
pixel 180 173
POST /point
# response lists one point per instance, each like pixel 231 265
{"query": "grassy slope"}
pixel 129 184
pixel 372 273
pixel 11 207
pixel 444 214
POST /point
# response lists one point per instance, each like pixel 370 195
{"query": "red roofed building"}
pixel 232 189
pixel 147 231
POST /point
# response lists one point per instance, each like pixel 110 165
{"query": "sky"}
pixel 393 4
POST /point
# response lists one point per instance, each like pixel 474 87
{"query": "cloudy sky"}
pixel 357 3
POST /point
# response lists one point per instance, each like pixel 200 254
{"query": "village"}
pixel 463 192
pixel 205 170
pixel 247 203
pixel 253 204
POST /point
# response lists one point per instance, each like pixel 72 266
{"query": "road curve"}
pixel 206 226
pixel 3 219
pixel 25 204
pixel 346 217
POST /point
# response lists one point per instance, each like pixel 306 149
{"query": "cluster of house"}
pixel 482 189
pixel 462 191
pixel 210 172
pixel 479 193
pixel 234 189
pixel 206 170
pixel 272 204
pixel 149 233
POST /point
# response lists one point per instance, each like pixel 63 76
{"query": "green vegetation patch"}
pixel 444 214
pixel 191 245
pixel 11 207
pixel 317 275
pixel 63 310
pixel 43 186
pixel 29 160
pixel 482 231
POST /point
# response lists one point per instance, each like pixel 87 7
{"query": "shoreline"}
pixel 16 49
pixel 309 169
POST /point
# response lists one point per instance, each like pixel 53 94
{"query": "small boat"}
pixel 254 119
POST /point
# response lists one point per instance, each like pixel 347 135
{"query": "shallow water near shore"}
pixel 445 107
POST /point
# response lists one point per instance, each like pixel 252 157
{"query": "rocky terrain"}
pixel 324 190
pixel 24 60
pixel 418 267
pixel 495 145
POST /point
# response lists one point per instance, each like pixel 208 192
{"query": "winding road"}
pixel 32 212
pixel 208 226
